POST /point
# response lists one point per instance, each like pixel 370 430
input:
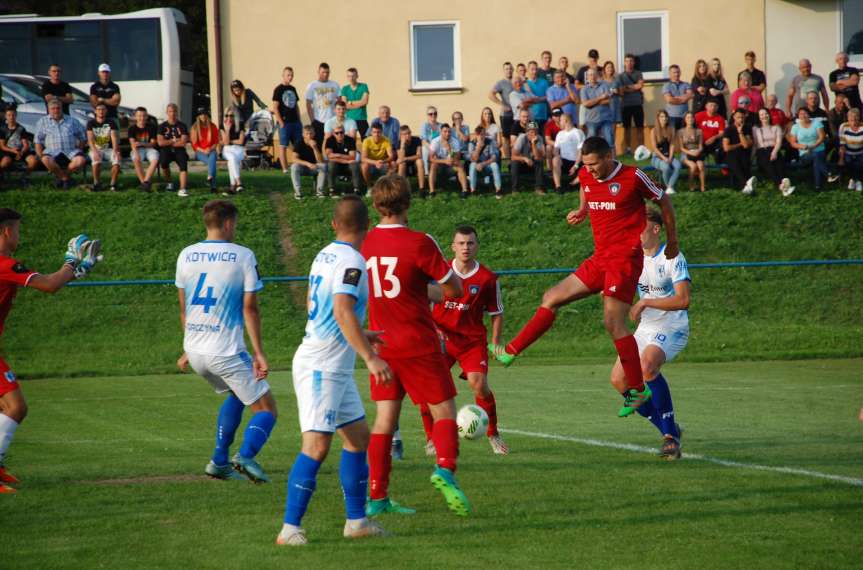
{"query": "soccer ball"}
pixel 472 422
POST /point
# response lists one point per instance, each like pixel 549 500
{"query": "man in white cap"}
pixel 105 91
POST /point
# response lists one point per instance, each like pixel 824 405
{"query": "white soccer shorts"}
pixel 325 401
pixel 99 155
pixel 230 373
pixel 670 341
pixel 148 154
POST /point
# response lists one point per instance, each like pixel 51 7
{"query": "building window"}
pixel 852 29
pixel 644 35
pixel 435 57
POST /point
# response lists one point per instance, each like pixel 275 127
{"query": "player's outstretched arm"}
pixel 52 282
pixel 343 311
pixel 669 220
pixel 252 317
pixel 452 287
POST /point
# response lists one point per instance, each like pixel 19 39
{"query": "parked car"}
pixel 25 91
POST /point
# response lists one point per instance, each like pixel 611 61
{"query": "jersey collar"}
pixel 215 241
pixel 340 242
pixel 659 251
pixel 613 172
pixel 467 275
pixel 390 226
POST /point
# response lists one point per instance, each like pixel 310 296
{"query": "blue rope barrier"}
pixel 516 272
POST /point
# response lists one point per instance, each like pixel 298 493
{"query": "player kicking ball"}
pixel 614 196
pixel 81 255
pixel 662 332
pixel 327 395
pixel 217 283
pixel 460 324
pixel 400 264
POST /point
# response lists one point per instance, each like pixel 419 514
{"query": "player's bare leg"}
pixel 615 313
pixel 484 398
pixel 445 437
pixel 563 293
pixel 381 461
pixel 13 410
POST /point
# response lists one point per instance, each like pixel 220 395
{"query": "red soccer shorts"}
pixel 615 276
pixel 426 379
pixel 471 353
pixel 8 382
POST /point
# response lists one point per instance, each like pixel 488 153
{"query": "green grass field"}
pixel 112 478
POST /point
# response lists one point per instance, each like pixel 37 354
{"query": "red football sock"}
pixel 490 406
pixel 627 349
pixel 428 421
pixel 380 464
pixel 538 324
pixel 445 439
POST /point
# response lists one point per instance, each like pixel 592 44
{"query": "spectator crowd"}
pixel 533 131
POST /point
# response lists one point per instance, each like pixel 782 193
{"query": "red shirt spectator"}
pixel 207 138
pixel 710 125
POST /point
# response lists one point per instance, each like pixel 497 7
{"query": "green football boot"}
pixel 444 481
pixel 632 400
pixel 375 507
pixel 501 355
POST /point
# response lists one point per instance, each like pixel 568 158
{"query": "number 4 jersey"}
pixel 400 264
pixel 337 269
pixel 215 276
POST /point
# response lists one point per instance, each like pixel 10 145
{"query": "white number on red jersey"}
pixel 389 264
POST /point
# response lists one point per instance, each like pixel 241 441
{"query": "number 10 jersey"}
pixel 401 263
pixel 215 276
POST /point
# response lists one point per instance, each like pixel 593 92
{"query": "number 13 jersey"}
pixel 400 264
pixel 215 276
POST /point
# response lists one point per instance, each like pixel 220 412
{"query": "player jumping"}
pixel 400 264
pixel 217 282
pixel 81 255
pixel 460 324
pixel 614 195
pixel 662 332
pixel 327 395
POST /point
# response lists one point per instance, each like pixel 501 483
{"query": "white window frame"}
pixel 663 27
pixel 456 50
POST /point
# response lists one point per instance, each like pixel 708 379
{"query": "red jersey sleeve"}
pixel 494 300
pixel 12 271
pixel 431 261
pixel 646 186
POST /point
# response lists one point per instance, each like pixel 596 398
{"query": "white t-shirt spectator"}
pixel 515 102
pixel 333 122
pixel 323 95
pixel 437 148
pixel 569 143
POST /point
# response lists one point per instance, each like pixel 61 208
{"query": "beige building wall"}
pixel 260 37
pixel 798 29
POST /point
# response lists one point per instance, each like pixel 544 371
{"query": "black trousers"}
pixel 739 167
pixel 517 167
pixel 772 169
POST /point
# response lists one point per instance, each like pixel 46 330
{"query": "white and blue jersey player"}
pixel 217 282
pixel 323 367
pixel 663 330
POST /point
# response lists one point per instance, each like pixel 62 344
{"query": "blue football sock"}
pixel 664 407
pixel 256 433
pixel 354 475
pixel 648 410
pixel 301 486
pixel 230 416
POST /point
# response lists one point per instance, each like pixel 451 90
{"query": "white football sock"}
pixel 7 430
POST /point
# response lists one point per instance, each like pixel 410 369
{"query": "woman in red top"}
pixel 205 141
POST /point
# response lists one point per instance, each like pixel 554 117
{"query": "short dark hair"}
pixel 101 104
pixel 532 62
pixel 324 65
pixel 403 128
pixel 545 52
pixel 740 111
pixel 673 66
pixel 447 125
pixel 655 216
pixel 593 54
pixel 595 145
pixel 750 53
pixel 8 215
pixel 466 230
pixel 353 70
pixel 629 56
pixel 144 109
pixel 341 103
pixel 377 125
pixel 351 213
pixel 12 107
pixel 217 212
pixel 507 63
pixel 288 68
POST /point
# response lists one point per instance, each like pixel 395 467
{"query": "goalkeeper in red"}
pixel 81 255
pixel 459 321
pixel 613 195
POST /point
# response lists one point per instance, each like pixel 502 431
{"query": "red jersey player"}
pixel 614 195
pixel 400 264
pixel 80 257
pixel 460 323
